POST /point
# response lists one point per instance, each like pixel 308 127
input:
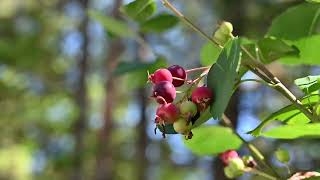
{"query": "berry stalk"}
pixel 198 69
pixel 255 152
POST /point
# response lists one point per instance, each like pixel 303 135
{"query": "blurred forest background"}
pixel 65 114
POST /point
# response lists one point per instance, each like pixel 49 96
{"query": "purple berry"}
pixel 164 92
pixel 179 73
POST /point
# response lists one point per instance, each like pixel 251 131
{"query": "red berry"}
pixel 164 92
pixel 228 155
pixel 161 75
pixel 178 72
pixel 167 113
pixel 201 96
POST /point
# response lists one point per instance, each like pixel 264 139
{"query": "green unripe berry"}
pixel 226 28
pixel 180 126
pixel 224 33
pixel 235 168
pixel 229 172
pixel 237 164
pixel 282 155
pixel 188 108
pixel 220 37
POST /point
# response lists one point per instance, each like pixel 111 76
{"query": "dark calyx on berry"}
pixel 164 92
pixel 167 114
pixel 202 96
pixel 161 75
pixel 179 75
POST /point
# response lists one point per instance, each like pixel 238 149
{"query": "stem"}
pixel 260 173
pixel 278 85
pixel 251 80
pixel 197 69
pixel 255 152
pixel 167 4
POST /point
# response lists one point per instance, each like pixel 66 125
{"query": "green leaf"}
pixel 308 84
pixel 139 10
pixel 204 117
pixel 313 1
pixel 297 22
pixel 168 129
pixel 209 54
pixel 294 131
pixel 113 25
pixel 272 49
pixel 159 23
pixel 212 140
pixel 222 77
pixel 282 155
pixel 309 54
pixel 129 67
pixel 289 114
pixel 138 74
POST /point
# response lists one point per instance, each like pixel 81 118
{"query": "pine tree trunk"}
pixel 104 161
pixel 81 100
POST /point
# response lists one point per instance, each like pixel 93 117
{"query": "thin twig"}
pixel 260 173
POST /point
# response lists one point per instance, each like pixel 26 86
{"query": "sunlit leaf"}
pixel 308 84
pixel 289 115
pixel 294 131
pixel 212 140
pixel 209 54
pixel 308 48
pixel 313 1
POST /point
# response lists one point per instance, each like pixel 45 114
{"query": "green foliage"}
pixel 140 10
pixel 222 76
pixel 113 25
pixel 159 23
pixel 129 67
pixel 212 140
pixel 308 47
pixel 282 155
pixel 168 129
pixel 137 72
pixel 297 22
pixel 209 54
pixel 204 117
pixel 289 115
pixel 294 131
pixel 271 49
pixel 308 84
pixel 313 1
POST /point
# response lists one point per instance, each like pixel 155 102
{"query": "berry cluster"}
pixel 235 165
pixel 180 114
